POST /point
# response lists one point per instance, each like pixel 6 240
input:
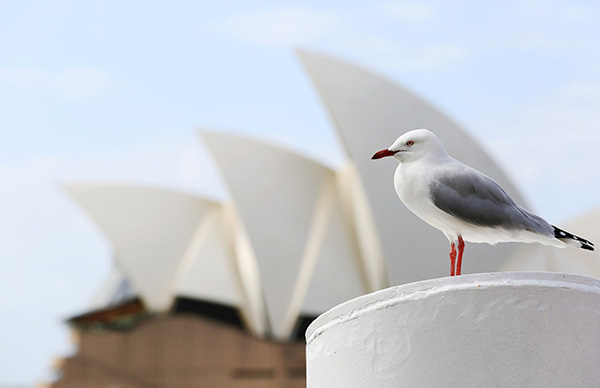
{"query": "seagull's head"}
pixel 413 145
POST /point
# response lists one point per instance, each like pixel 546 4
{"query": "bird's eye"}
pixel 410 143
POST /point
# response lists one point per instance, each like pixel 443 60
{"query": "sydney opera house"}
pixel 219 294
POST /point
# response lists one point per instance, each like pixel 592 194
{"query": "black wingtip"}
pixel 564 235
pixel 588 247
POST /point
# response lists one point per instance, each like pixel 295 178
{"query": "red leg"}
pixel 452 258
pixel 461 248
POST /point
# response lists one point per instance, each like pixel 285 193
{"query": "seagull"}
pixel 463 203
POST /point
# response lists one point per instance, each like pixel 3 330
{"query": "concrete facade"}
pixel 181 351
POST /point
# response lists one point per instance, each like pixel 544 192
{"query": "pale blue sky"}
pixel 113 91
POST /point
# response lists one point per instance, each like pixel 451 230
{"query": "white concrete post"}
pixel 483 330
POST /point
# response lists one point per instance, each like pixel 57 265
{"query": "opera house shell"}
pixel 209 293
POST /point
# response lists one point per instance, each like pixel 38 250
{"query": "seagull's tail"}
pixel 572 240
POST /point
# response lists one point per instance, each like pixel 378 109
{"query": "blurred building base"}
pixel 197 345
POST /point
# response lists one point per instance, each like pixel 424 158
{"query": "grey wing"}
pixel 477 199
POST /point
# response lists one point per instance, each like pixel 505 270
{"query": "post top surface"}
pixel 471 282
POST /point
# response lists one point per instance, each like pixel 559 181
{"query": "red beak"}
pixel 383 154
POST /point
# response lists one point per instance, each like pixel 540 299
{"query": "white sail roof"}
pixel 160 239
pixel 288 205
pixel 369 113
pixel 339 274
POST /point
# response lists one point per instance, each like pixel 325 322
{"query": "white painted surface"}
pixel 483 330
